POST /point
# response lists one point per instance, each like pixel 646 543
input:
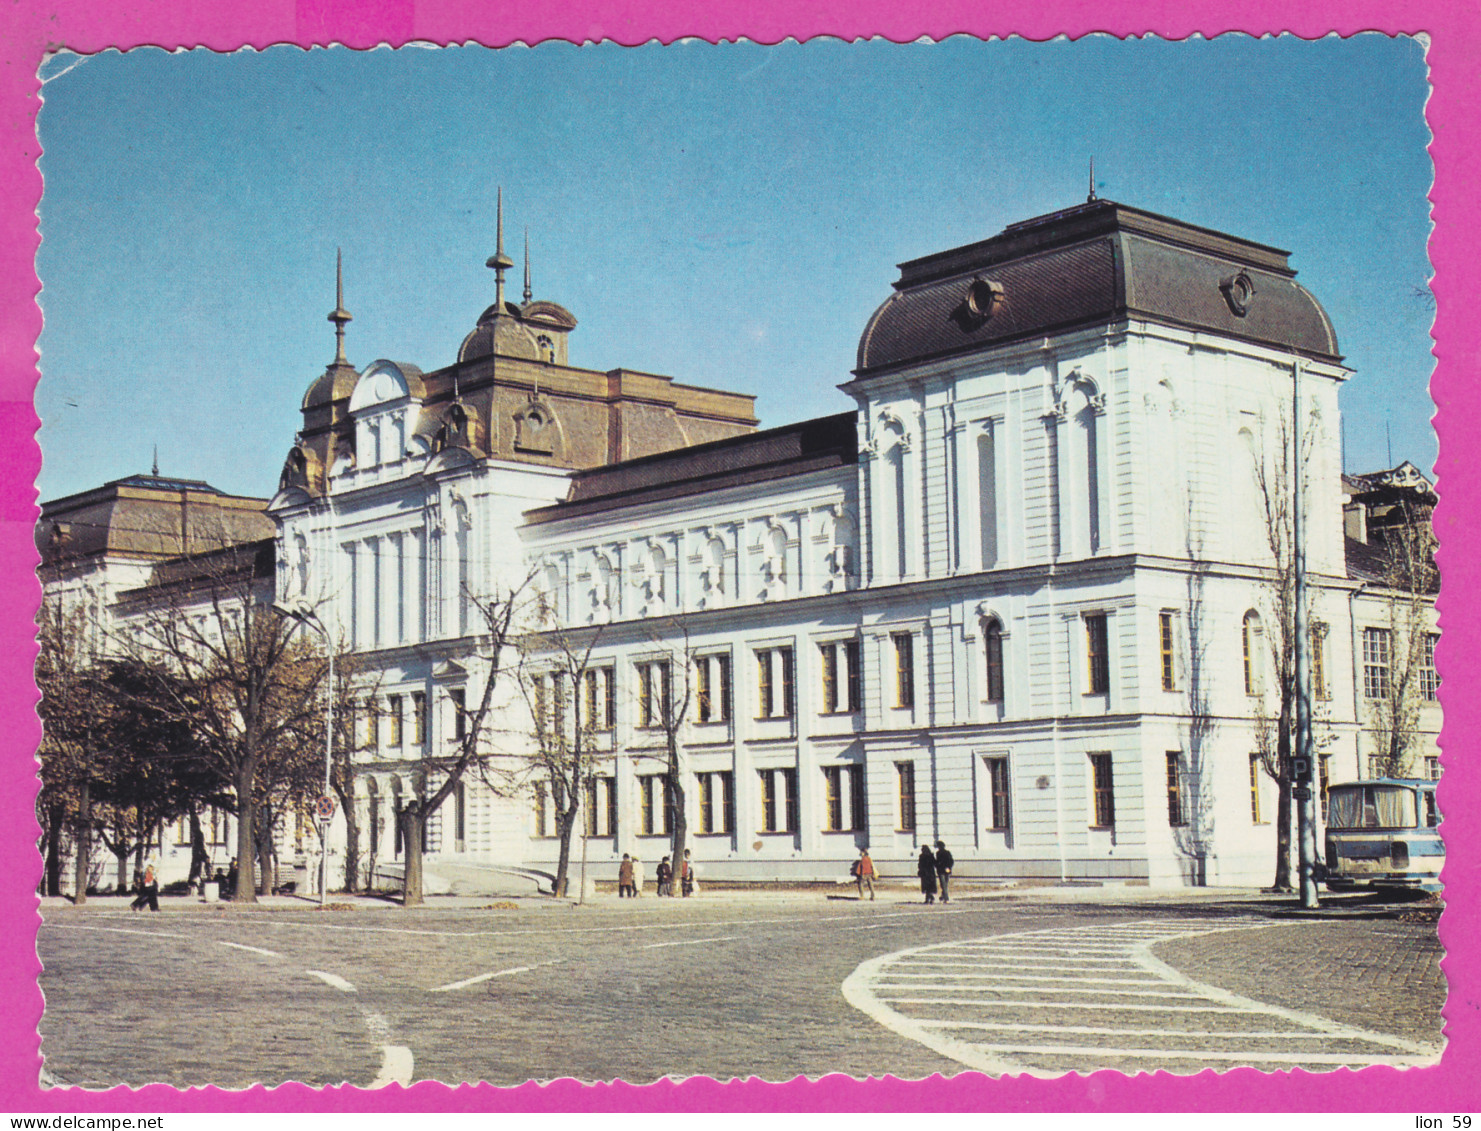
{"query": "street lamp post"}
pixel 310 619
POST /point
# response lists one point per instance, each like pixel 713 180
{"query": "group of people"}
pixel 630 876
pixel 934 869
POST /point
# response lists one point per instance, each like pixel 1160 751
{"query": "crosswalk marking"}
pixel 1081 998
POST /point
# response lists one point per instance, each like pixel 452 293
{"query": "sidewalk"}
pixel 1249 900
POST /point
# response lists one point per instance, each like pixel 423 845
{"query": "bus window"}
pixel 1431 814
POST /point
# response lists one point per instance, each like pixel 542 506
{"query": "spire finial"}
pixel 1091 198
pixel 529 294
pixel 499 261
pixel 154 467
pixel 339 315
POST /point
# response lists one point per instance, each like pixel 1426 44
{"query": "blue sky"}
pixel 729 215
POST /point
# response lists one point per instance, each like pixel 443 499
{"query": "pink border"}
pixel 28 27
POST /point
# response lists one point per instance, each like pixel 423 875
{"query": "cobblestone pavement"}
pixel 724 986
pixel 1084 998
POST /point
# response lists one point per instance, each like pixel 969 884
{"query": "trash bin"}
pixel 211 891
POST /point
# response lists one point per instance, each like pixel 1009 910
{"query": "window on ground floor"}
pixel 905 808
pixel 1103 791
pixel 655 804
pixel 601 806
pixel 716 802
pixel 1177 806
pixel 843 793
pixel 778 800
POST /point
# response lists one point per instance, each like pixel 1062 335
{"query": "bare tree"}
pixel 671 713
pixel 233 669
pixel 1410 580
pixel 564 757
pixel 1275 471
pixel 442 774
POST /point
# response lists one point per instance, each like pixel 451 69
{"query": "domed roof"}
pixel 335 383
pixel 1098 262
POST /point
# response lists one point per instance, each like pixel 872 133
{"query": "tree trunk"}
pixel 56 813
pixel 680 833
pixel 565 825
pixel 266 854
pixel 121 868
pixel 246 842
pixel 412 822
pixel 1283 797
pixel 84 845
pixel 352 848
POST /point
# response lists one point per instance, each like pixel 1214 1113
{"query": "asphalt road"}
pixel 725 985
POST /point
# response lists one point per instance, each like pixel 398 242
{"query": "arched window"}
pixel 993 640
pixel 1254 653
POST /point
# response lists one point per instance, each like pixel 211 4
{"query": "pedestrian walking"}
pixel 665 877
pixel 637 877
pixel 687 874
pixel 148 891
pixel 625 877
pixel 864 873
pixel 925 868
pixel 944 864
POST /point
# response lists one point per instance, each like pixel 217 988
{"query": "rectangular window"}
pixel 372 724
pixel 904 669
pixel 1376 649
pixel 542 818
pixel 789 784
pixel 1177 813
pixel 843 791
pixel 655 800
pixel 1429 680
pixel 1255 789
pixel 830 677
pixel 853 669
pixel 768 801
pixel 716 802
pixel 1319 688
pixel 1164 635
pixel 833 797
pixel 997 782
pixel 418 718
pixel 601 806
pixel 460 817
pixel 1432 768
pixel 1104 791
pixel 653 693
pixel 702 689
pixel 1099 660
pixel 905 778
pixel 600 706
pixel 459 700
pixel 774 683
pixel 393 721
pixel 840 671
pixel 712 688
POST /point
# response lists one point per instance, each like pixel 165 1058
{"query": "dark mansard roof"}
pixel 1096 263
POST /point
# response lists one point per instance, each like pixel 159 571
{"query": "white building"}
pixel 1019 599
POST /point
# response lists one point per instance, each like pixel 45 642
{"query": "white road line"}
pixel 397 1066
pixel 871 927
pixel 950 974
pixel 689 942
pixel 332 979
pixel 1077 1006
pixel 115 930
pixel 1096 1030
pixel 1182 995
pixel 1244 1056
pixel 253 949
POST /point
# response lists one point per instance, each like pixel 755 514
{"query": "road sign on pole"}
pixel 325 807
